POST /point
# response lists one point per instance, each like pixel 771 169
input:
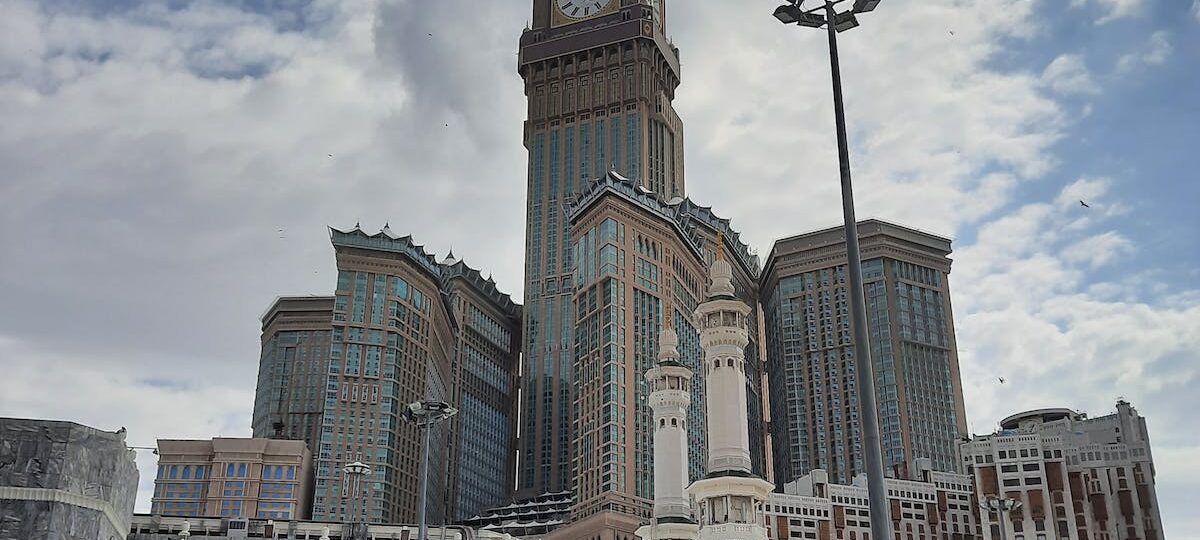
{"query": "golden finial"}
pixel 720 246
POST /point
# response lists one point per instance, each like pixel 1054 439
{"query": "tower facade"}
pixel 337 371
pixel 600 78
pixel 731 498
pixel 639 267
pixel 810 352
pixel 293 369
pixel 670 398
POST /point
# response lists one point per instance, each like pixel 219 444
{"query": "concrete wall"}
pixel 61 480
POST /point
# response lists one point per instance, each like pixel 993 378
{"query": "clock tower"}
pixel 600 77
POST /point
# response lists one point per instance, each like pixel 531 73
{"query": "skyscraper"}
pixel 338 371
pixel 600 78
pixel 293 369
pixel 392 343
pixel 639 268
pixel 484 389
pixel 810 351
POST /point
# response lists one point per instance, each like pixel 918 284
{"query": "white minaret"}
pixel 730 497
pixel 670 395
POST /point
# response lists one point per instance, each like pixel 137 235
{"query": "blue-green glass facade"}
pixel 810 352
pixel 602 102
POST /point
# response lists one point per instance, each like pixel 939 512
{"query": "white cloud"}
pixel 1032 307
pixel 1099 249
pixel 1196 9
pixel 1154 52
pixel 1112 9
pixel 152 401
pixel 1068 74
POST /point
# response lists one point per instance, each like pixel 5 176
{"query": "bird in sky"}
pixel 1083 204
pixel 330 155
pixel 952 32
pixel 1002 381
pixel 430 34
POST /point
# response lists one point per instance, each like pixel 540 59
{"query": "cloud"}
pixel 1196 9
pixel 984 130
pixel 1068 75
pixel 1113 9
pixel 1153 52
pixel 37 380
pixel 1032 307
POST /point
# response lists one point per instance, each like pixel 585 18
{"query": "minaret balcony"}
pixel 670 398
pixel 733 531
pixel 714 337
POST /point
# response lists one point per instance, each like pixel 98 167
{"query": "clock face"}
pixel 581 9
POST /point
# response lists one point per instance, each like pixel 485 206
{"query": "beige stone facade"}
pixel 226 477
pixel 937 506
pixel 640 267
pixel 1077 478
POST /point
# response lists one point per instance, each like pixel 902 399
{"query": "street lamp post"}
pixel 425 414
pixel 1001 506
pixel 834 22
pixel 354 493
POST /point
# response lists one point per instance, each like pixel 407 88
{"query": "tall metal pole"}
pixel 881 525
pixel 422 531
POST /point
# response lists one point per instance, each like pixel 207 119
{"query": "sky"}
pixel 169 167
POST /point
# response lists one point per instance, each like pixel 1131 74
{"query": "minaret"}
pixel 730 497
pixel 670 395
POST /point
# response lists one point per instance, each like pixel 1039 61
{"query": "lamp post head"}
pixel 792 14
pixel 428 412
pixel 357 467
pixel 845 21
pixel 863 6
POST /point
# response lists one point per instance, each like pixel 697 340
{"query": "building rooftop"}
pixel 443 272
pixel 1041 415
pixel 684 214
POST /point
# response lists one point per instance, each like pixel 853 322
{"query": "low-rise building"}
pixel 263 478
pixel 938 506
pixel 64 481
pixel 1076 478
pixel 154 527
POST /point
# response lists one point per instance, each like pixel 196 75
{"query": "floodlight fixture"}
pixel 845 21
pixel 863 6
